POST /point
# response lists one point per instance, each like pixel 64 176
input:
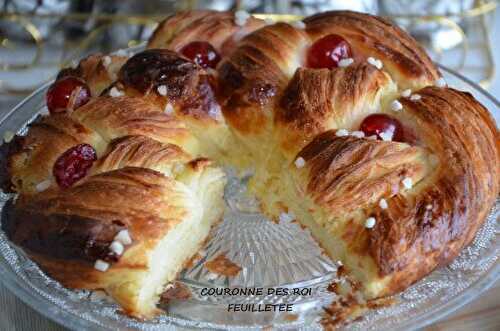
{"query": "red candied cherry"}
pixel 328 51
pixel 201 53
pixel 67 93
pixel 383 126
pixel 73 164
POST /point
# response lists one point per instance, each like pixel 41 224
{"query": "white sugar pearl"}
pixel 345 62
pixel 441 82
pixel 241 17
pixel 375 62
pixel 299 25
pixel 406 93
pixel 358 134
pixel 169 109
pixel 116 247
pixel 162 90
pixel 396 105
pixel 371 61
pixel 114 92
pixel 415 97
pixel 407 183
pixel 370 222
pixel 101 265
pixel 383 204
pixel 300 162
pixel 106 61
pixel 124 237
pixel 42 186
pixel 342 133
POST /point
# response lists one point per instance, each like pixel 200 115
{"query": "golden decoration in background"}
pixel 73 51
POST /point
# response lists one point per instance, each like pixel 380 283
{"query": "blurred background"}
pixel 38 37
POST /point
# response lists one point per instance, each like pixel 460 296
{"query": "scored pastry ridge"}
pixel 392 206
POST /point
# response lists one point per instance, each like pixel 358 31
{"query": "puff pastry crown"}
pixel 302 128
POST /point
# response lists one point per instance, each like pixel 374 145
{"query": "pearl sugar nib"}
pixel 116 247
pixel 396 105
pixel 124 237
pixel 358 134
pixel 106 60
pixel 299 25
pixel 375 62
pixel 162 90
pixel 415 97
pixel 370 222
pixel 383 204
pixel 169 109
pixel 300 162
pixel 342 133
pixel 42 186
pixel 114 92
pixel 407 183
pixel 406 93
pixel 101 265
pixel 241 17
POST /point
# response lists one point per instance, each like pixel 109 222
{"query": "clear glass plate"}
pixel 271 255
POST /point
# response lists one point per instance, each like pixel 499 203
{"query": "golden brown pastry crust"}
pixel 317 100
pixel 114 117
pixel 462 134
pixel 256 72
pixel 32 161
pixel 348 174
pixel 217 28
pixel 141 152
pixel 262 65
pixel 405 60
pixel 455 174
